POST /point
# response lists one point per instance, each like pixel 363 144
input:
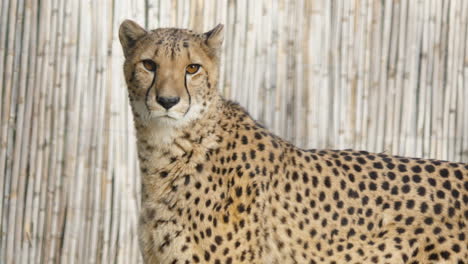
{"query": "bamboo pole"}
pixel 27 242
pixel 462 81
pixel 14 150
pixel 425 81
pixel 6 105
pixel 19 164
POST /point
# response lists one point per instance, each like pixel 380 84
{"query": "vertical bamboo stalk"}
pixel 21 140
pixel 462 81
pixel 28 243
pixel 7 240
pixel 422 134
pixel 360 59
pixel 383 92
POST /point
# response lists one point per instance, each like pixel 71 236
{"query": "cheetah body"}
pixel 217 187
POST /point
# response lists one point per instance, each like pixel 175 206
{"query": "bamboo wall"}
pixel 386 76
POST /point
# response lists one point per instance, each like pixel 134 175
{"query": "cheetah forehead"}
pixel 175 38
pixel 171 35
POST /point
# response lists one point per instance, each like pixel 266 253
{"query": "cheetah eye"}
pixel 149 65
pixel 192 68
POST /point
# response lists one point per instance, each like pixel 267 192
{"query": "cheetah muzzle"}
pixel 217 187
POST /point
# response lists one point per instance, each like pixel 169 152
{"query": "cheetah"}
pixel 218 187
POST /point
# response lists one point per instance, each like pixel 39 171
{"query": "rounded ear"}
pixel 129 33
pixel 215 37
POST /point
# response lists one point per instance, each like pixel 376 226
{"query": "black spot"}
pixel 186 179
pixel 434 256
pixel 410 204
pixel 361 161
pixel 423 207
pixel 207 256
pixel 409 220
pixel 357 168
pixel 321 196
pixel 244 140
pixel 440 194
pixel 444 173
pixel 447 185
pixel 257 135
pixel 327 182
pixel 445 255
pixel 218 240
pixel 416 169
pixel 199 167
pixel 378 165
pixel 451 211
pixel 397 205
pixel 305 177
pixel 406 188
pixel 239 191
pixel 428 221
pixel 429 168
pixel 402 168
pixel 385 185
pixel 421 191
pixel 318 167
pixel 298 197
pixel 261 146
pixel 429 247
pixel 416 178
pixel 437 208
pixel 295 176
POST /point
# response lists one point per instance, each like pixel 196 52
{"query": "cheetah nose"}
pixel 167 102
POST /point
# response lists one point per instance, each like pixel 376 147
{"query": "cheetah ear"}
pixel 215 37
pixel 129 33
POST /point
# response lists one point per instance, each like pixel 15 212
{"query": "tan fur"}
pixel 219 188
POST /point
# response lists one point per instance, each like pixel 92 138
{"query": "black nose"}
pixel 167 102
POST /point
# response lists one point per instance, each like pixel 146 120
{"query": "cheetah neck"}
pixel 167 153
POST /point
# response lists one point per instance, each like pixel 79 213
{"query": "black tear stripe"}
pixel 189 97
pixel 186 88
pixel 151 85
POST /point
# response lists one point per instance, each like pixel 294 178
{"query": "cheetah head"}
pixel 171 73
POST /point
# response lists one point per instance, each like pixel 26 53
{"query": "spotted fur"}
pixel 217 187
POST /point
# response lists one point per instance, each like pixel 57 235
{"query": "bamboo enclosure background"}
pixel 385 76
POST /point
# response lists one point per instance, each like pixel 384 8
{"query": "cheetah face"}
pixel 171 73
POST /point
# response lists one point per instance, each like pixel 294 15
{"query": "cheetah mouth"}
pixel 164 115
pixel 168 117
